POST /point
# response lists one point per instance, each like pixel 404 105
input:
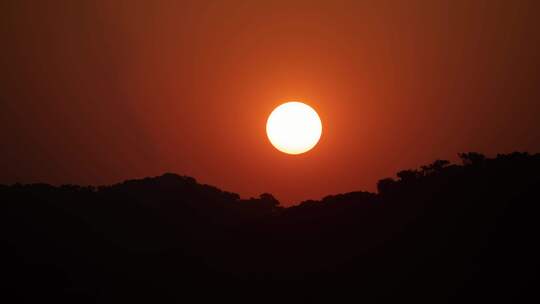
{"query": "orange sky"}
pixel 95 92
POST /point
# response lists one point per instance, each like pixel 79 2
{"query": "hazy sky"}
pixel 95 92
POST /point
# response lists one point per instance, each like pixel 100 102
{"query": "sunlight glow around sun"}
pixel 294 128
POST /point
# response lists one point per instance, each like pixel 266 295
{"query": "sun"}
pixel 294 128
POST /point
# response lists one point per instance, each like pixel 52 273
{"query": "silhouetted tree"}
pixel 269 200
pixel 472 158
pixel 408 175
pixel 386 185
pixel 437 166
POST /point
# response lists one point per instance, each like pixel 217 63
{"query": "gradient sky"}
pixel 95 92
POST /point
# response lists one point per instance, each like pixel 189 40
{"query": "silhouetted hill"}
pixel 442 233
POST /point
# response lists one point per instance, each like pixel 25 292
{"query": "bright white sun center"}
pixel 294 127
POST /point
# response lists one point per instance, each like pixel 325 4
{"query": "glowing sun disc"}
pixel 294 128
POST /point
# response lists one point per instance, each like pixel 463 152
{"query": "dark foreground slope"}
pixel 444 233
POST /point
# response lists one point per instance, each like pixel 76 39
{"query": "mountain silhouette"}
pixel 441 233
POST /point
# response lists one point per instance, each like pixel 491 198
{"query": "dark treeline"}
pixel 442 233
